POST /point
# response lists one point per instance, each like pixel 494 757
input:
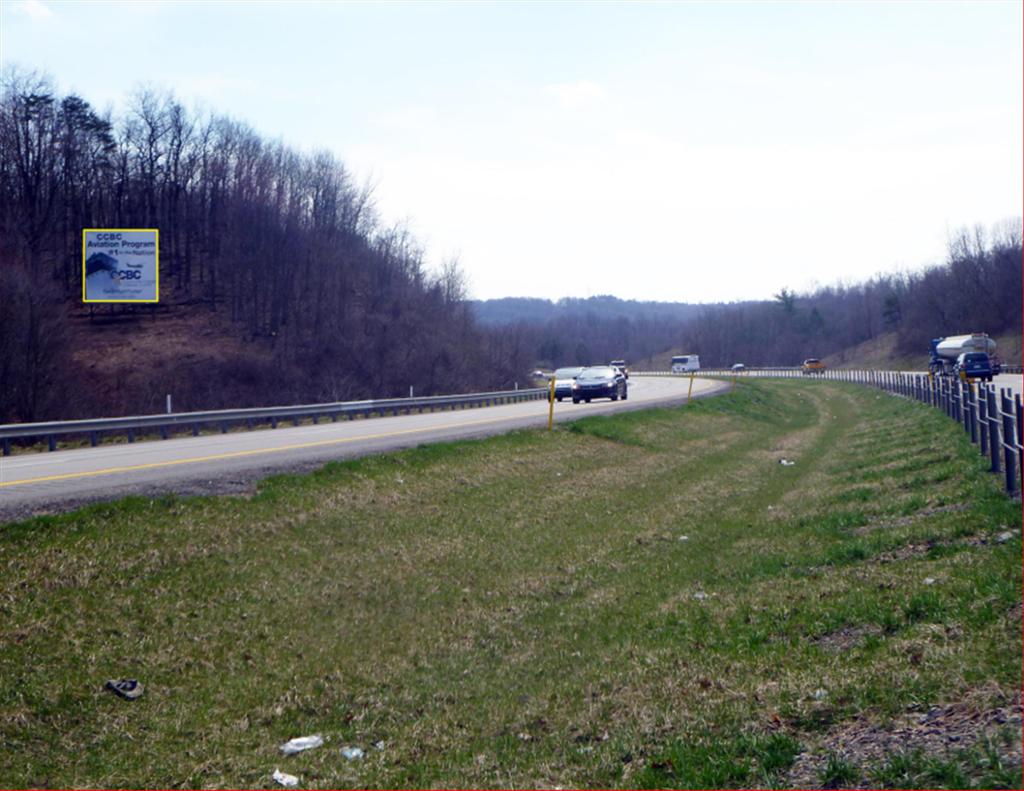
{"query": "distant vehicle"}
pixel 564 378
pixel 997 365
pixel 739 367
pixel 813 365
pixel 946 351
pixel 621 365
pixel 600 381
pixel 539 374
pixel 974 365
pixel 685 363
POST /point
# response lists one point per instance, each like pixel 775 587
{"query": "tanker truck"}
pixel 945 351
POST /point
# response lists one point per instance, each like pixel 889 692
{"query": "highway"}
pixel 231 463
pixel 1014 382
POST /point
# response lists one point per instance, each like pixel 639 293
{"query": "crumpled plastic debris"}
pixel 700 595
pixel 285 779
pixel 127 688
pixel 820 694
pixel 1003 537
pixel 929 580
pixel 352 753
pixel 684 538
pixel 301 743
pixel 378 745
pixel 786 462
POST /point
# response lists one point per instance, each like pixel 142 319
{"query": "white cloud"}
pixel 576 94
pixel 34 9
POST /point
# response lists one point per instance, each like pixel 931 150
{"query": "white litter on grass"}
pixel 700 595
pixel 287 780
pixel 352 753
pixel 1002 538
pixel 378 745
pixel 301 743
pixel 929 580
pixel 684 538
pixel 820 694
pixel 786 462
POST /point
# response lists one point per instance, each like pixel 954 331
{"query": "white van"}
pixel 685 363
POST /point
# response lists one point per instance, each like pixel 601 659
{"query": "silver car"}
pixel 564 377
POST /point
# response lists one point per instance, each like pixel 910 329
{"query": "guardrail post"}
pixel 965 405
pixel 973 414
pixel 273 422
pixel 1009 440
pixel 983 419
pixel 993 430
pixel 51 441
pixel 131 435
pixel 7 447
pixel 1020 438
pixel 93 439
pixel 223 427
pixel 163 432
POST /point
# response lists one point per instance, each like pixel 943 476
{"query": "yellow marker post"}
pixel 690 391
pixel 551 404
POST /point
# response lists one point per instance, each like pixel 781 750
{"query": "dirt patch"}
pixel 939 731
pixel 906 521
pixel 846 638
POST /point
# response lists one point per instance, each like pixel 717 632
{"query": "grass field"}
pixel 650 599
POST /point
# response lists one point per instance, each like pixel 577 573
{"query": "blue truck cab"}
pixel 934 361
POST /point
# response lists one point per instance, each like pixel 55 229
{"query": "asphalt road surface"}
pixel 1013 381
pixel 228 463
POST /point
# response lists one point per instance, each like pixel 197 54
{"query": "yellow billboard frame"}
pixel 155 231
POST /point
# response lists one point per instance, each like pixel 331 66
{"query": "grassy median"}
pixel 650 599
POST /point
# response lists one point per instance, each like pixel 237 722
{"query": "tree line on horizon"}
pixel 329 301
pixel 977 289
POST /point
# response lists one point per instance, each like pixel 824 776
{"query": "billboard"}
pixel 120 265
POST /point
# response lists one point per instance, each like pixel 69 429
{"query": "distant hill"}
pixel 509 310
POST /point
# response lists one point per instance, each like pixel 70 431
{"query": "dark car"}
pixel 600 381
pixel 973 365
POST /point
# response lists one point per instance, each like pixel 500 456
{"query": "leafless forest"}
pixel 332 303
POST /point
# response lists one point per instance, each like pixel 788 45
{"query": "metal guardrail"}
pixel 224 418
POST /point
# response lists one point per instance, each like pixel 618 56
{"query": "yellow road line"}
pixel 240 453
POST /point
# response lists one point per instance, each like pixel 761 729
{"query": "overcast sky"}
pixel 671 151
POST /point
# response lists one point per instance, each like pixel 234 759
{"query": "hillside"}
pixel 129 361
pixel 883 353
pixel 880 353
